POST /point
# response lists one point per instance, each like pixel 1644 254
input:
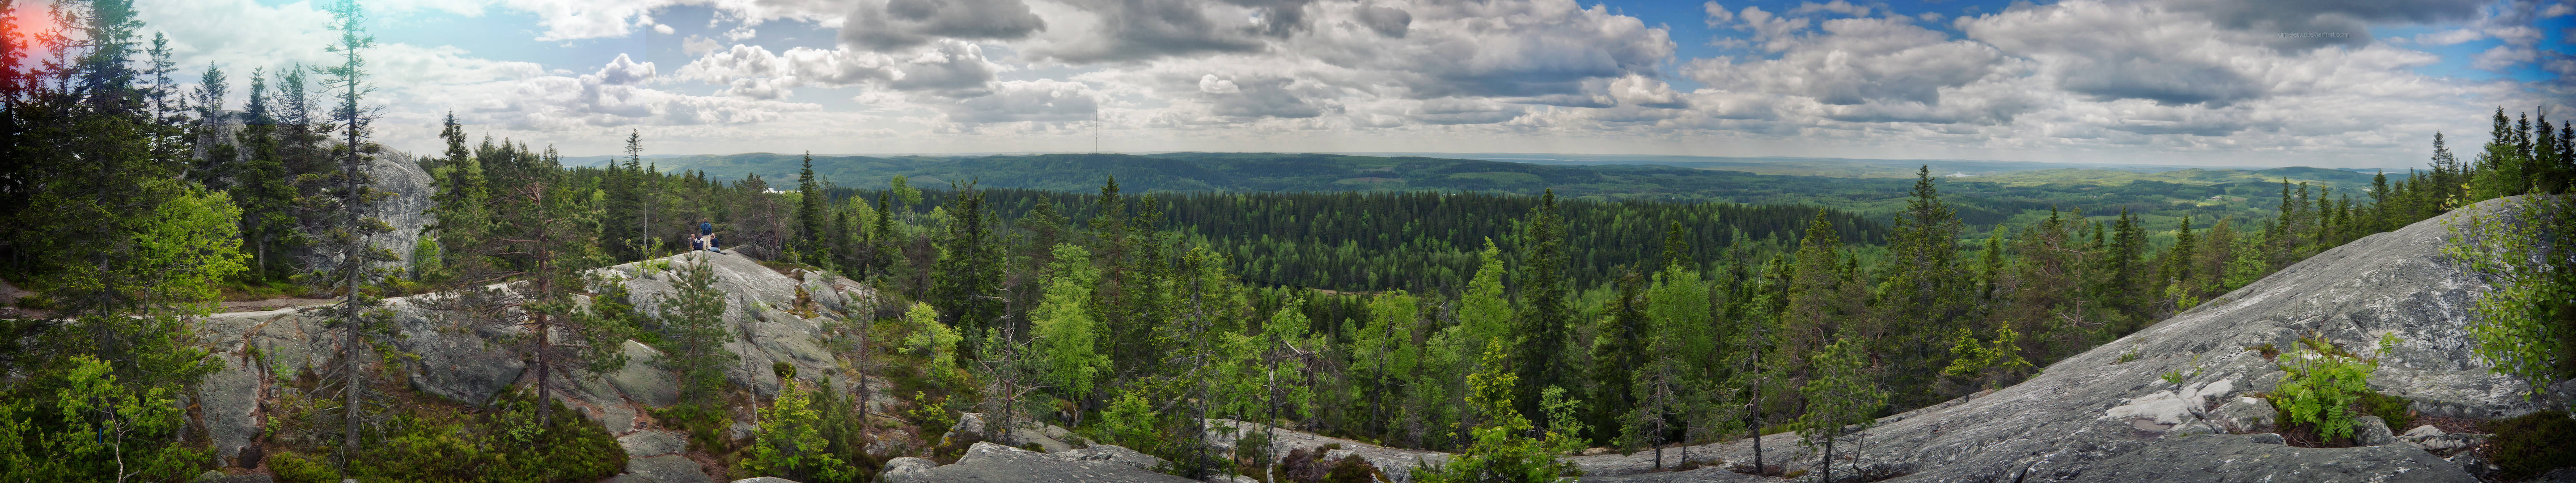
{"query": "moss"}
pixel 2394 410
pixel 2532 444
pixel 295 468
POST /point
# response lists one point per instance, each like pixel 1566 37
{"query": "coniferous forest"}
pixel 1508 328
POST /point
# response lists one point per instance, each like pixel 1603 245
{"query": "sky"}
pixel 2198 82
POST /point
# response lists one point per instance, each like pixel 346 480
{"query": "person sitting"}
pixel 707 236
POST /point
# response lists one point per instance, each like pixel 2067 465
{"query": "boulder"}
pixel 663 469
pixel 973 426
pixel 2237 458
pixel 2434 439
pixel 988 462
pixel 644 380
pixel 653 443
pixel 2371 431
pixel 906 469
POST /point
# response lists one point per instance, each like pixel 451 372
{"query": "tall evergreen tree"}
pixel 1545 321
pixel 810 214
pixel 968 276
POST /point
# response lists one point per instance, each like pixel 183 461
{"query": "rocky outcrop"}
pixel 2109 415
pixel 470 365
pixel 2096 417
pixel 985 462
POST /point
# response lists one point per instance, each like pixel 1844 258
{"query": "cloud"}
pixel 2449 37
pixel 1261 97
pixel 1453 110
pixel 2112 51
pixel 1213 85
pixel 892 24
pixel 1717 14
pixel 2350 18
pixel 1387 21
pixel 1835 6
pixel 949 68
pixel 1027 101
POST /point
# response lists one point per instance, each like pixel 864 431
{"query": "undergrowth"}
pixel 2535 443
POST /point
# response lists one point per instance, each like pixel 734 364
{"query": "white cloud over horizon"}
pixel 2155 81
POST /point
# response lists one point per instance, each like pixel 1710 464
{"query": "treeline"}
pixel 1417 241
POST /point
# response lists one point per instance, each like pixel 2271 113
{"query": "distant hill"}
pixel 1986 192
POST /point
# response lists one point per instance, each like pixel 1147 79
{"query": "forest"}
pixel 1508 325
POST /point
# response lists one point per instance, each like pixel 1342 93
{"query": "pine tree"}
pixel 694 333
pixel 1842 398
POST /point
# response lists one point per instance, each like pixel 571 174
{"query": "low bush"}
pixel 2532 444
pixel 295 468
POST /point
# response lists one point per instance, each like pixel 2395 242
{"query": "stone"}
pixel 2434 439
pixel 906 469
pixel 2244 414
pixel 2237 458
pixel 653 443
pixel 644 380
pixel 2267 438
pixel 663 469
pixel 988 462
pixel 1110 453
pixel 2371 431
pixel 740 430
pixel 227 399
pixel 764 479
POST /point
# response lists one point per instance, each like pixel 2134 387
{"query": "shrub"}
pixel 507 445
pixel 295 468
pixel 790 442
pixel 1130 422
pixel 2532 444
pixel 2322 387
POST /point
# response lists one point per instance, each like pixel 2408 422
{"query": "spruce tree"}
pixel 1545 320
pixel 810 215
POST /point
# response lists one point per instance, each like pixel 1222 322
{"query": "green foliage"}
pixel 1842 396
pixel 1501 450
pixel 508 445
pixel 790 443
pixel 2321 389
pixel 693 333
pixel 1067 337
pixel 1997 364
pixel 932 340
pixel 295 468
pixel 2527 324
pixel 932 416
pixel 91 427
pixel 1131 422
pixel 2532 444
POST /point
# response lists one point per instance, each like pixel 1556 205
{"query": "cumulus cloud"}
pixel 2127 51
pixel 905 23
pixel 950 68
pixel 1027 101
pixel 1836 6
